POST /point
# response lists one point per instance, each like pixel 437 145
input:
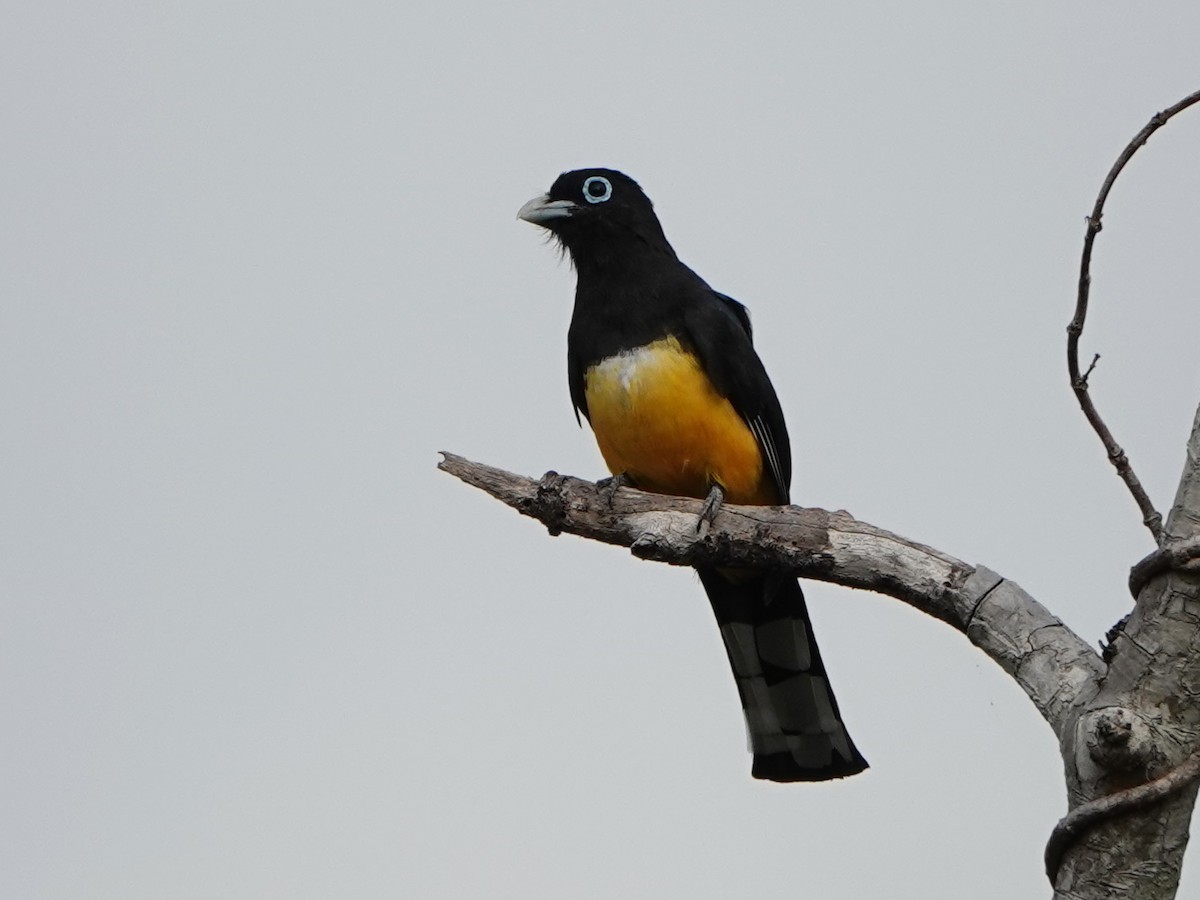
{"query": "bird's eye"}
pixel 597 189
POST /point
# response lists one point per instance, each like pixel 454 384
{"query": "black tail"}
pixel 796 731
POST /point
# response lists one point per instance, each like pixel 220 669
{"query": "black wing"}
pixel 743 314
pixel 576 385
pixel 718 327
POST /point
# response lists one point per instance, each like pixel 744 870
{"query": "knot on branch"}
pixel 1180 556
pixel 547 504
pixel 1120 740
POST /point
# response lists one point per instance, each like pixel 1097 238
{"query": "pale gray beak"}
pixel 542 210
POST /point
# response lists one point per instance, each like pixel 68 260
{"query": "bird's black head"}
pixel 597 214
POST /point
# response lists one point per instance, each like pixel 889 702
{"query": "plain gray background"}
pixel 259 262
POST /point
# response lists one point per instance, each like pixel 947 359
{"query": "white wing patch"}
pixel 763 435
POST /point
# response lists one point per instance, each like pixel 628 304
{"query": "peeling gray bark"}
pixel 1129 731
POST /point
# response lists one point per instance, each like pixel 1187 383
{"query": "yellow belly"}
pixel 657 418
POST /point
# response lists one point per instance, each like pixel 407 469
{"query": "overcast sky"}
pixel 259 262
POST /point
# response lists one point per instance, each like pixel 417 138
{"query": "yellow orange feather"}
pixel 658 419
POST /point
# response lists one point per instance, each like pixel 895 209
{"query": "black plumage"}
pixel 634 293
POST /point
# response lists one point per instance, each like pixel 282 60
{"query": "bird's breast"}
pixel 658 419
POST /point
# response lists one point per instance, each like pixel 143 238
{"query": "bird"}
pixel 664 369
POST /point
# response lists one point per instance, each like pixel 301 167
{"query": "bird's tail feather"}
pixel 796 732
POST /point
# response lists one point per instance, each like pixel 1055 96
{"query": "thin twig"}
pixel 1150 516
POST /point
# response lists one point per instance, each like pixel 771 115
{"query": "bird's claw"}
pixel 712 503
pixel 608 487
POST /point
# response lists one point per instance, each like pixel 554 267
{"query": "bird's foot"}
pixel 608 487
pixel 712 503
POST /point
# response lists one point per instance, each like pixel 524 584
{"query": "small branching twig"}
pixel 1084 378
pixel 1079 384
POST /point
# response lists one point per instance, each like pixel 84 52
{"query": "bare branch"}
pixel 1079 383
pixel 1052 664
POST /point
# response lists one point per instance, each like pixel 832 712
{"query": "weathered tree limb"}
pixel 1079 382
pixel 1055 667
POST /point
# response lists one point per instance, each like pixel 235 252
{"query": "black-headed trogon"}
pixel 664 369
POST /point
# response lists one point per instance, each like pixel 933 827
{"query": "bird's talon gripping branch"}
pixel 608 487
pixel 712 504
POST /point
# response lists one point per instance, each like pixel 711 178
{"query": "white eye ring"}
pixel 592 182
